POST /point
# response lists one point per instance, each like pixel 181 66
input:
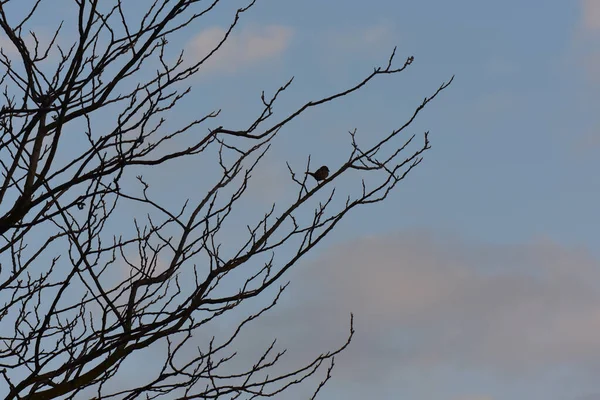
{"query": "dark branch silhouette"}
pixel 67 324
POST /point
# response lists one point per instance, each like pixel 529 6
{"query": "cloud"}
pixel 426 305
pixel 44 36
pixel 269 182
pixel 585 51
pixel 376 34
pixel 425 302
pixel 7 46
pixel 249 47
pixel 362 39
pixel 591 14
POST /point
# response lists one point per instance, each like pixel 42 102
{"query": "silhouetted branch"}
pixel 69 322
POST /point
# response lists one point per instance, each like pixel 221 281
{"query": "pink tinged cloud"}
pixel 591 14
pixel 425 302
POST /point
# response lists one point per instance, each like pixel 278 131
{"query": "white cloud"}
pixel 251 46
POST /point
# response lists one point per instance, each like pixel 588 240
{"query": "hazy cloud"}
pixel 585 49
pixel 269 182
pixel 7 46
pixel 425 302
pixel 366 38
pixel 591 14
pixel 249 47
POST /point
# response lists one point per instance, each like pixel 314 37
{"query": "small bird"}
pixel 320 174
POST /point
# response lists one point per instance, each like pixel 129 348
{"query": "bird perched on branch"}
pixel 320 174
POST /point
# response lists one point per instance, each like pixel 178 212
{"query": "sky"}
pixel 478 278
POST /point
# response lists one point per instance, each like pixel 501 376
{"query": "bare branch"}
pixel 96 266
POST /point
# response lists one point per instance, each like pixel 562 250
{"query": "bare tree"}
pixel 68 326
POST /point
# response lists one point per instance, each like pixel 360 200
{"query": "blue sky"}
pixel 514 129
pixel 477 279
pixel 491 244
